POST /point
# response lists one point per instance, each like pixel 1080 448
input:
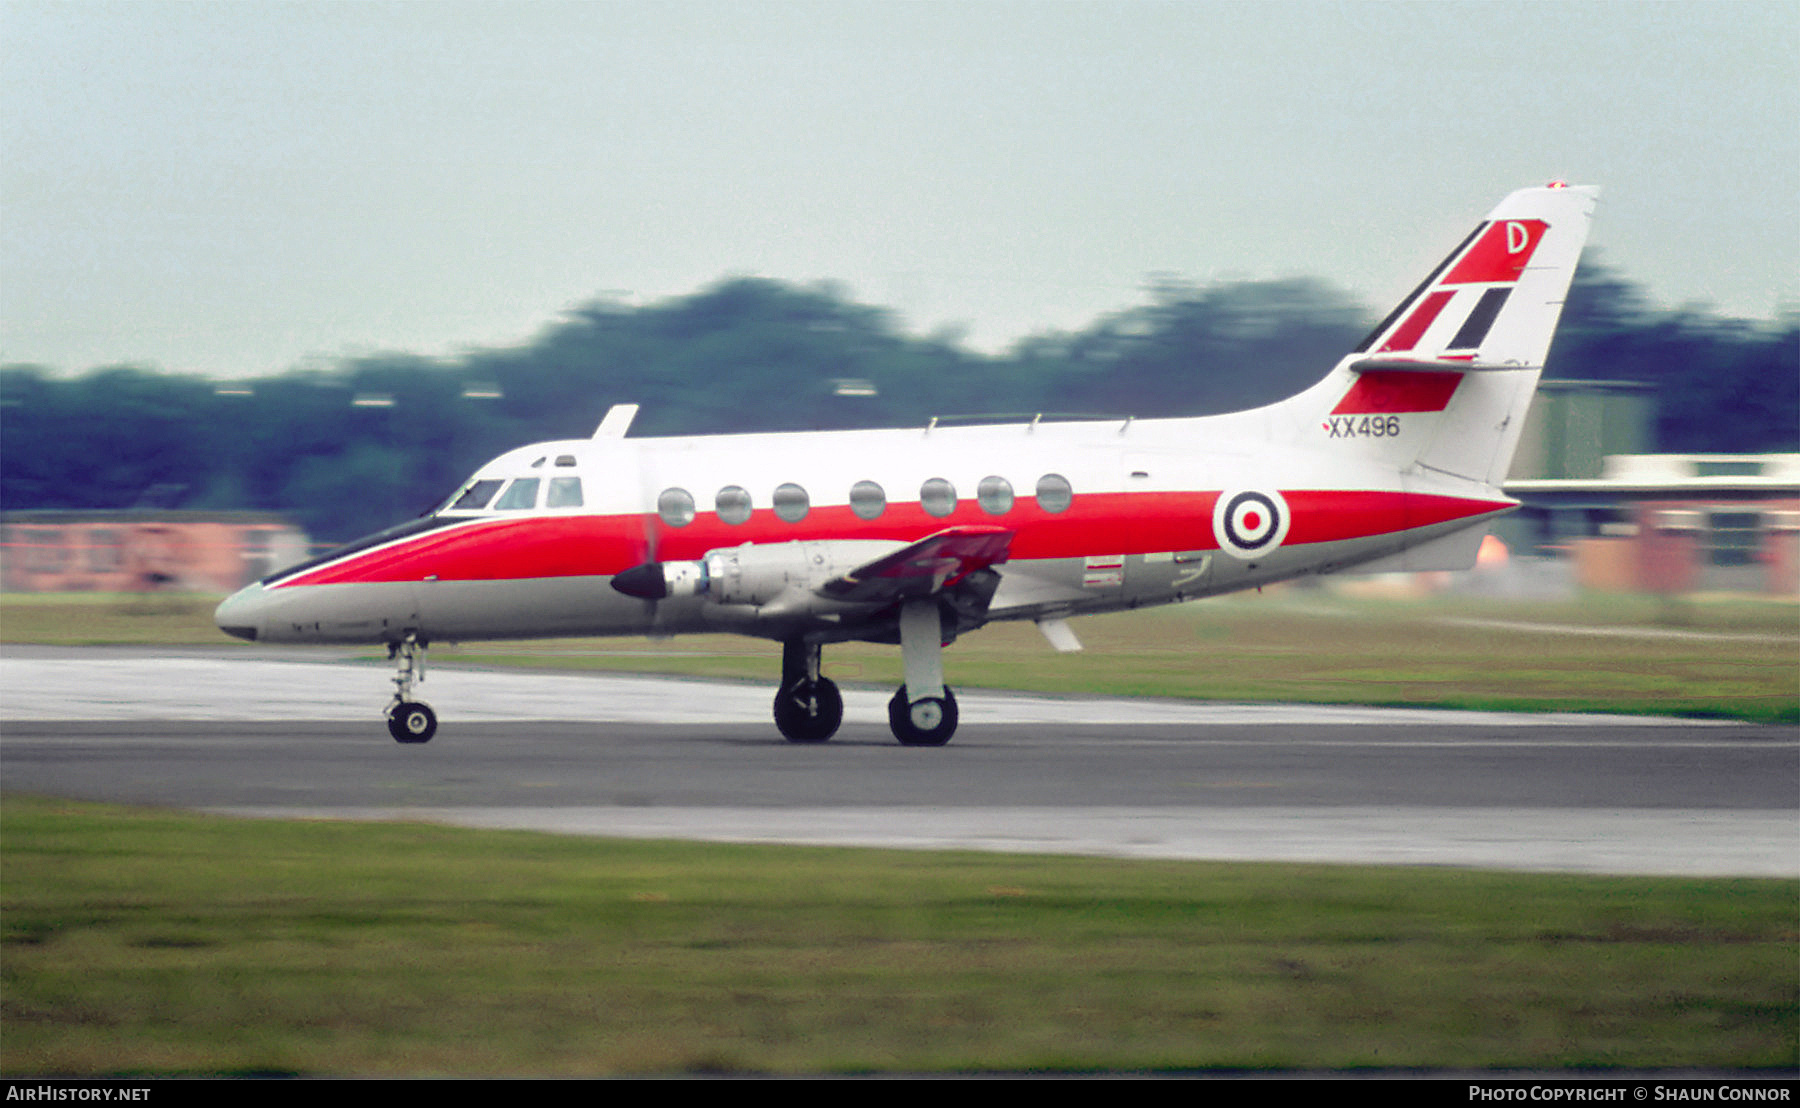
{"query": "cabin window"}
pixel 564 492
pixel 868 500
pixel 476 496
pixel 676 507
pixel 791 503
pixel 565 460
pixel 938 497
pixel 520 495
pixel 733 503
pixel 995 495
pixel 1054 493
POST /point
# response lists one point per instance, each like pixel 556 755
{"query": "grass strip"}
pixel 146 942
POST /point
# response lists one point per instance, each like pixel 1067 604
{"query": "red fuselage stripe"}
pixel 538 546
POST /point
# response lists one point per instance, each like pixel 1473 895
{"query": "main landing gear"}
pixel 408 720
pixel 809 708
pixel 926 722
pixel 923 712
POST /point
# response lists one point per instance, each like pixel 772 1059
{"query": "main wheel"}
pixel 928 722
pixel 412 722
pixel 809 711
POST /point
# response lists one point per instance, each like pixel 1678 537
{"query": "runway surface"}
pixel 255 734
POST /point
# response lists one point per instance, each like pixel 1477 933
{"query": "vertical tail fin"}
pixel 1495 299
pixel 1443 383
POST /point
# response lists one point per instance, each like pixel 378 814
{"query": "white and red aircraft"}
pixel 1393 462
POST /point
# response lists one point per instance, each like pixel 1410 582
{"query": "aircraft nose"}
pixel 237 614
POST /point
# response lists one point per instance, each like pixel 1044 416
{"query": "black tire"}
pixel 930 722
pixel 809 711
pixel 412 722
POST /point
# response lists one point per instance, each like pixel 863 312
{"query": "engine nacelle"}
pixel 755 575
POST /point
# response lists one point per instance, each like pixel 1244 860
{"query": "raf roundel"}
pixel 1249 523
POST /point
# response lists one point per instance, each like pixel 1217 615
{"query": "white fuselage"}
pixel 1103 515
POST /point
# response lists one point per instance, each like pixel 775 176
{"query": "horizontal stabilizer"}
pixel 1435 365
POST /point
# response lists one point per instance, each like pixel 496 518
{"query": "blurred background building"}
pixel 1618 519
pixel 143 550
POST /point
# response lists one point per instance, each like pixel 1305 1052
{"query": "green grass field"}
pixel 154 943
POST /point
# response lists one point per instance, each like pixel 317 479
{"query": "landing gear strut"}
pixel 408 720
pixel 808 707
pixel 923 712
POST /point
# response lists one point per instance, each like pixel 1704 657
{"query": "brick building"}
pixel 140 551
pixel 1669 523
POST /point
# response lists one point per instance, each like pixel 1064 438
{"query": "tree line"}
pixel 351 448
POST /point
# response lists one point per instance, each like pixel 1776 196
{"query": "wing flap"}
pixel 931 565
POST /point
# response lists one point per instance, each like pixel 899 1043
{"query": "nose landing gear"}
pixel 408 720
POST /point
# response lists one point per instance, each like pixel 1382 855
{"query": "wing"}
pixel 931 565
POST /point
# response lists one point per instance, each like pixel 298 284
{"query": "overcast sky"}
pixel 238 188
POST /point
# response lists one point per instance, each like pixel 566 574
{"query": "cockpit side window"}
pixel 475 497
pixel 521 494
pixel 565 492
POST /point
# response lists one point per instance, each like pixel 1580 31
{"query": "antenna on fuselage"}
pixel 617 421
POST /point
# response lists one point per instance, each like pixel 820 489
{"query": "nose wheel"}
pixel 408 720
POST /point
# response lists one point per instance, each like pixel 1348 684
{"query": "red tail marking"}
pixel 1500 254
pixel 1384 392
pixel 1406 336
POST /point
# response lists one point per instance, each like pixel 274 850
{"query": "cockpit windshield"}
pixel 484 495
pixel 475 497
pixel 521 494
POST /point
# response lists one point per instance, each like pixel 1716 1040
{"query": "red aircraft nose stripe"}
pixel 542 546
